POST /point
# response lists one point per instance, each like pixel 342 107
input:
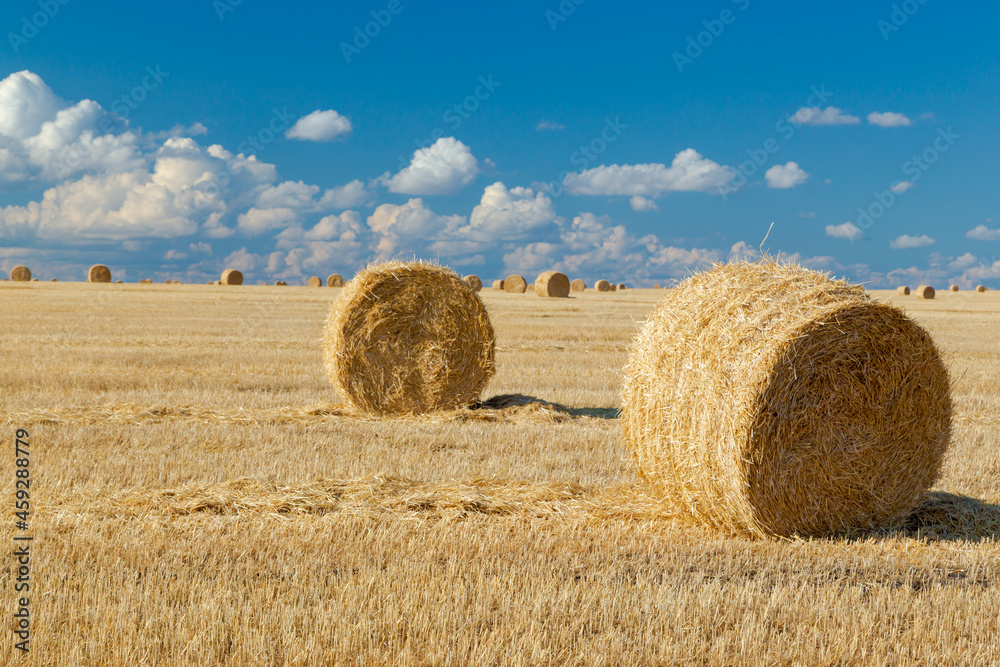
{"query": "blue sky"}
pixel 605 140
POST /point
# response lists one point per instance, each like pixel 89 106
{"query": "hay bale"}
pixel 925 292
pixel 622 286
pixel 552 284
pixel 34 280
pixel 604 286
pixel 280 283
pixel 578 286
pixel 119 282
pixel 903 290
pixel 146 281
pixel 55 280
pixel 314 281
pixel 515 284
pixel 773 400
pixel 20 274
pixel 498 284
pixel 334 280
pixel 99 273
pixel 981 288
pixel 474 282
pixel 954 288
pixel 657 286
pixel 408 338
pixel 232 277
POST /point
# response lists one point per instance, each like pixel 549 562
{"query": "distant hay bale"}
pixel 55 280
pixel 515 284
pixel 314 281
pixel 34 280
pixel 604 286
pixel 772 400
pixel 578 286
pixel 474 282
pixel 408 338
pixel 119 282
pixel 232 277
pixel 954 288
pixel 981 288
pixel 622 286
pixel 552 284
pixel 20 274
pixel 280 283
pixel 925 292
pixel 656 286
pixel 99 273
pixel 498 284
pixel 146 281
pixel 334 280
pixel 903 290
pixel 167 281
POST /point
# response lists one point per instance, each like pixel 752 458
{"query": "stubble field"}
pixel 201 498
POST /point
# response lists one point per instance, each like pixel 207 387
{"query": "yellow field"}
pixel 201 499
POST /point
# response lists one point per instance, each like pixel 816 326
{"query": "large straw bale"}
pixel 925 292
pixel 334 280
pixel 232 277
pixel 903 290
pixel 474 282
pixel 578 286
pixel 552 284
pixel 604 286
pixel 99 273
pixel 515 284
pixel 20 274
pixel 408 338
pixel 772 400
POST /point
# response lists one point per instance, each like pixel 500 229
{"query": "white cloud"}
pixel 639 203
pixel 410 227
pixel 906 241
pixel 201 247
pixel 848 231
pixel 175 255
pixel 443 168
pixel 983 233
pixel 901 187
pixel 344 196
pixel 256 221
pixel 827 116
pixel 785 176
pixel 241 260
pixel 549 125
pixel 320 126
pixel 508 214
pixel 688 172
pixel 889 119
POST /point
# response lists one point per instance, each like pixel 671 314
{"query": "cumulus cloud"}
pixel 983 233
pixel 689 171
pixel 411 226
pixel 889 119
pixel 785 175
pixel 639 203
pixel 906 241
pixel 443 168
pixel 827 116
pixel 848 231
pixel 549 125
pixel 256 221
pixel 320 126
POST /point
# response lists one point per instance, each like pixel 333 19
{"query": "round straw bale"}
pixel 925 292
pixel 656 286
pixel 408 338
pixel 99 273
pixel 314 281
pixel 119 282
pixel 34 280
pixel 474 282
pixel 604 286
pixel 20 274
pixel 954 288
pixel 146 281
pixel 498 284
pixel 903 290
pixel 552 284
pixel 622 286
pixel 980 288
pixel 280 283
pixel 772 400
pixel 334 280
pixel 515 284
pixel 578 286
pixel 55 280
pixel 232 277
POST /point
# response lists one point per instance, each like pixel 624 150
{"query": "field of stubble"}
pixel 202 499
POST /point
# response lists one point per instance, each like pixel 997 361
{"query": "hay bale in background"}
pixel 925 292
pixel 903 290
pixel 232 277
pixel 656 286
pixel 99 273
pixel 604 286
pixel 334 280
pixel 954 288
pixel 552 284
pixel 146 281
pixel 119 282
pixel 981 288
pixel 498 284
pixel 515 284
pixel 408 338
pixel 314 281
pixel 280 283
pixel 474 282
pixel 578 286
pixel 622 286
pixel 55 280
pixel 20 274
pixel 773 400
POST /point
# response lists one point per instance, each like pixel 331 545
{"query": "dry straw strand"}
pixel 99 273
pixel 578 286
pixel 474 282
pixel 903 290
pixel 408 338
pixel 925 292
pixel 772 400
pixel 20 274
pixel 515 284
pixel 552 284
pixel 232 277
pixel 334 280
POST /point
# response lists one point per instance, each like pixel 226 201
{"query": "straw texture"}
pixel 552 284
pixel 99 273
pixel 334 280
pixel 772 400
pixel 515 284
pixel 21 274
pixel 408 338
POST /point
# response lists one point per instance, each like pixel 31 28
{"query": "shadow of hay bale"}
pixel 504 407
pixel 949 516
